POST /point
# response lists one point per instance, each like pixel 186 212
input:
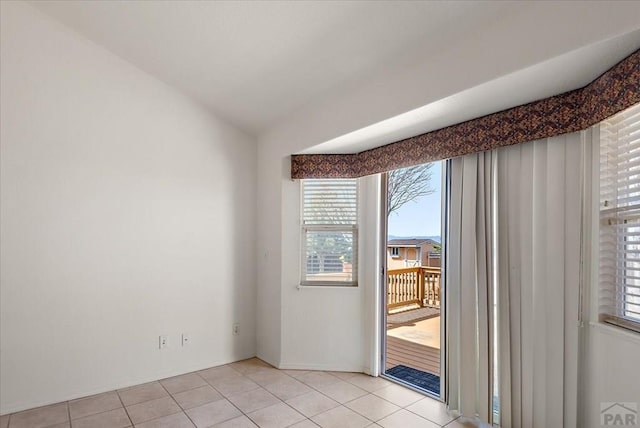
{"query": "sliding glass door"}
pixel 412 342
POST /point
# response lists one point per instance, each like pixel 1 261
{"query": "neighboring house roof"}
pixel 409 242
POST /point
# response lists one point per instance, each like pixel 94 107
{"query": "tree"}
pixel 408 184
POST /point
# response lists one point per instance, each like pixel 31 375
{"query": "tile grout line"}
pixel 343 404
pixel 174 400
pixel 386 416
pixel 281 401
pixel 424 417
pixel 87 416
pixel 68 414
pixel 347 380
pixel 224 397
pixel 388 401
pixel 182 410
pixel 211 386
pixel 126 412
pixel 336 401
pixel 296 410
pixel 371 393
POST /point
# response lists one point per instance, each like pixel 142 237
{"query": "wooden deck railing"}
pixel 415 285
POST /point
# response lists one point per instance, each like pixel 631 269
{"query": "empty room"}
pixel 336 214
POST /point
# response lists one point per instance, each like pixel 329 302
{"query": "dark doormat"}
pixel 424 380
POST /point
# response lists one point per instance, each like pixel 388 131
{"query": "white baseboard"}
pixel 112 386
pixel 322 367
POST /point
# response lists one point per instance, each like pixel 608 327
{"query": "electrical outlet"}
pixel 163 341
pixel 185 339
pixel 236 329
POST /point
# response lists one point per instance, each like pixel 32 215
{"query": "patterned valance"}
pixel 572 111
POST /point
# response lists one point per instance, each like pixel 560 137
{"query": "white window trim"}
pixel 615 321
pixel 353 229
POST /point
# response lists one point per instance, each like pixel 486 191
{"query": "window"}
pixel 329 232
pixel 620 219
pixel 395 252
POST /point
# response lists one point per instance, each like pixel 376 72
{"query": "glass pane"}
pixel 329 255
pixel 414 283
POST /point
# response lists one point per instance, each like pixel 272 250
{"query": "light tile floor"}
pixel 248 393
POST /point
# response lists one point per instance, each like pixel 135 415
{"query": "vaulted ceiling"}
pixel 253 63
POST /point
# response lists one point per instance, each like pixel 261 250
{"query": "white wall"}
pixel 127 211
pixel 612 358
pixel 297 328
pixel 314 328
pixel 334 336
pixel 331 315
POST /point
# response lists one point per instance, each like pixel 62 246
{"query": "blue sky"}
pixel 420 217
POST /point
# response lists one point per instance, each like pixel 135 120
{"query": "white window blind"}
pixel 329 232
pixel 619 298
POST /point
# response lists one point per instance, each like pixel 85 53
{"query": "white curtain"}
pixel 515 212
pixel 468 283
pixel 539 215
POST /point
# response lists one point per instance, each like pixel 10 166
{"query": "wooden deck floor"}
pixel 415 345
pixel 411 354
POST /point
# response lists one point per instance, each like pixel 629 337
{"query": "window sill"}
pixel 329 286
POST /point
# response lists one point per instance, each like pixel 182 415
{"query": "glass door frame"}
pixel 383 288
